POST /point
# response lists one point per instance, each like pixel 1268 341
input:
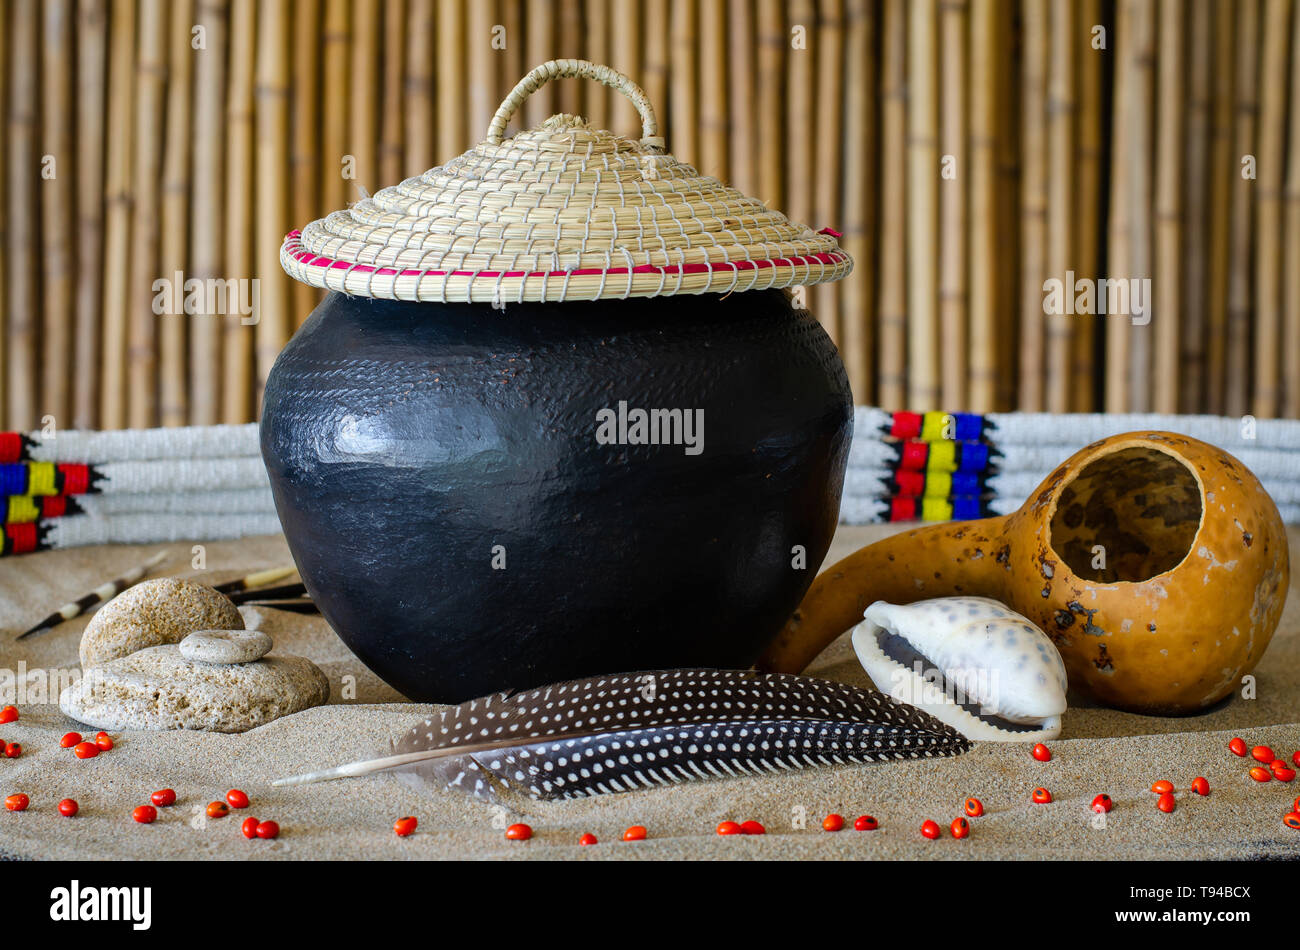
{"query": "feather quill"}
pixel 621 732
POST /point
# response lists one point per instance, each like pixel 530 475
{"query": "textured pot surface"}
pixel 439 476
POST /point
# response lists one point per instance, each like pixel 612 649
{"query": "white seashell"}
pixel 971 662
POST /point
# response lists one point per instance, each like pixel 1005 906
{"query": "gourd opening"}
pixel 1127 516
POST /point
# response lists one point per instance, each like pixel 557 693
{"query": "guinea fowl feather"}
pixel 620 732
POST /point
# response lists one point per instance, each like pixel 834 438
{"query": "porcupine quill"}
pixel 621 732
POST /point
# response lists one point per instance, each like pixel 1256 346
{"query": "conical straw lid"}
pixel 560 212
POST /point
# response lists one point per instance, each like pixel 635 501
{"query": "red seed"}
pixel 1237 746
pixel 729 828
pixel 218 809
pixel 68 807
pixel 1283 774
pixel 753 827
pixel 519 832
pixel 1295 758
pixel 1162 786
pixel 1295 806
pixel 145 814
pixel 1102 803
pixel 1166 802
pixel 1041 796
pixel 1292 820
pixel 974 807
pixel 930 829
pixel 236 799
pixel 635 833
pixel 17 802
pixel 8 714
pixel 163 797
pixel 406 826
pixel 1261 774
pixel 249 828
pixel 587 839
pixel 13 750
pixel 85 750
pixel 865 823
pixel 104 741
pixel 70 739
pixel 1262 753
pixel 832 823
pixel 1200 786
pixel 1042 753
pixel 268 829
pixel 960 827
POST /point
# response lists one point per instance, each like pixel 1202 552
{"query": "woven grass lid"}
pixel 560 212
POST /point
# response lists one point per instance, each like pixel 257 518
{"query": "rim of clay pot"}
pixel 1112 449
pixel 560 212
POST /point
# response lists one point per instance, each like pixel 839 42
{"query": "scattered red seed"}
pixel 1261 774
pixel 729 828
pixel 635 833
pixel 85 750
pixel 218 809
pixel 406 826
pixel 587 839
pixel 1292 820
pixel 1162 786
pixel 237 799
pixel 1283 774
pixel 68 807
pixel 753 827
pixel 520 832
pixel 832 823
pixel 1262 753
pixel 17 802
pixel 1296 805
pixel 268 829
pixel 1041 796
pixel 930 829
pixel 13 750
pixel 145 814
pixel 1166 802
pixel 69 739
pixel 104 741
pixel 960 827
pixel 163 797
pixel 1042 753
pixel 249 828
pixel 1200 786
pixel 1237 746
pixel 8 714
pixel 1295 758
pixel 1102 803
pixel 865 823
pixel 974 807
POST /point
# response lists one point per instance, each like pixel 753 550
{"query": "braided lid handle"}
pixel 581 69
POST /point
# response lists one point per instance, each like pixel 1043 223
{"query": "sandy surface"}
pixel 1100 750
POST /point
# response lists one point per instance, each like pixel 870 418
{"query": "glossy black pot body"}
pixel 455 511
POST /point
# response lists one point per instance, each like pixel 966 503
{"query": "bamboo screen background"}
pixel 968 150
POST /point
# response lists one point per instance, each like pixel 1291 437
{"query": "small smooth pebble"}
pixel 152 613
pixel 226 647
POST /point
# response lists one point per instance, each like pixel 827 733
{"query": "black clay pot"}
pixel 445 478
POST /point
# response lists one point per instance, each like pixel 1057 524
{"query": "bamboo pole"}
pixel 892 369
pixel 1267 390
pixel 1291 330
pixel 511 63
pixel 1223 171
pixel 1167 318
pixel 336 47
pixel 273 209
pixel 800 106
pixel 682 83
pixel 58 205
pixel 207 222
pixel 5 419
pixel 540 19
pixel 769 124
pixel 954 195
pixel 1140 198
pixel 1196 190
pixel 569 92
pixel 1061 105
pixel 92 57
pixel 628 40
pixel 1008 149
pixel 392 121
pixel 1033 207
pixel 595 48
pixel 452 128
pixel 237 385
pixel 23 216
pixel 418 100
pixel 715 128
pixel 859 202
pixel 305 157
pixel 117 203
pixel 742 63
pixel 480 91
pixel 984 206
pixel 173 397
pixel 363 131
pixel 828 140
pixel 922 208
pixel 1086 199
pixel 1240 302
